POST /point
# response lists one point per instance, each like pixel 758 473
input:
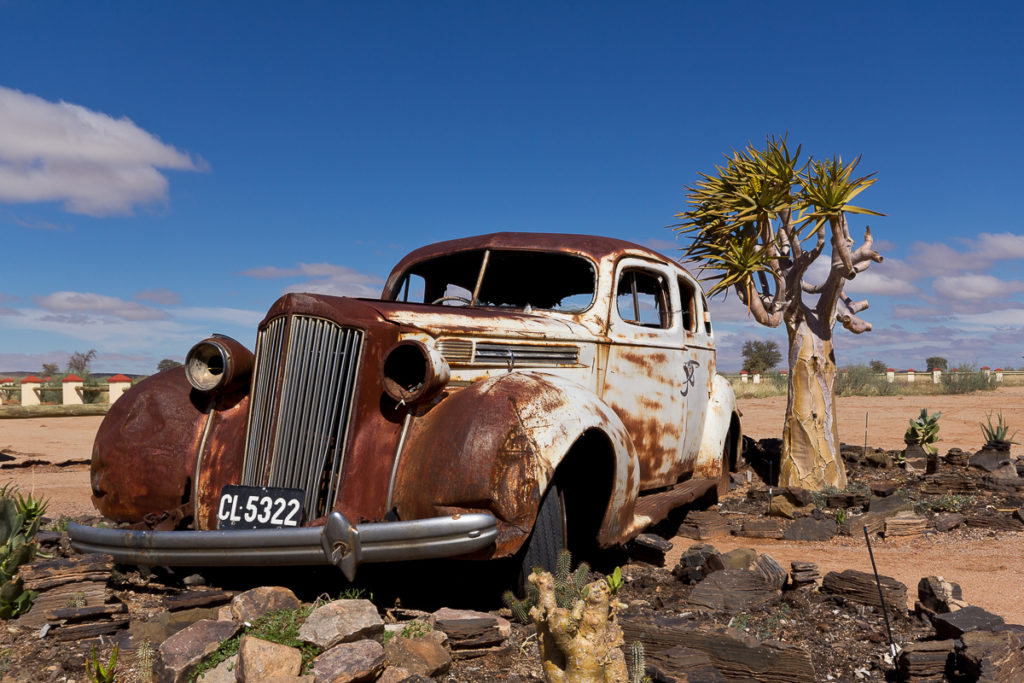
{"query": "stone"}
pixel 771 570
pixel 468 629
pixel 889 505
pixel 991 459
pixel 692 561
pixel 222 673
pixel 394 674
pixel 253 604
pixel 798 496
pixel 957 457
pixel 847 500
pixel 350 662
pixel 763 528
pixel 881 489
pixel 681 663
pixel 781 506
pixel 905 524
pixel 860 587
pixel 649 548
pixel 946 521
pixel 341 621
pixel 855 525
pixel 425 656
pixel 261 659
pixel 803 574
pixel 987 656
pixel 182 652
pixel 940 596
pixel 739 558
pixel 879 459
pixel 809 529
pixel 928 660
pixel 970 618
pixel 734 590
pixel 162 625
pixel 701 524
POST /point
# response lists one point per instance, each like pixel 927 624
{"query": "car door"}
pixel 646 369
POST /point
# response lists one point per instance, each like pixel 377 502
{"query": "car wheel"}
pixel 547 540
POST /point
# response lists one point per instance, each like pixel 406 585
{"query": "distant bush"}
pixel 965 378
pixel 861 380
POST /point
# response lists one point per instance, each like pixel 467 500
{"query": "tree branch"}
pixel 756 306
pixel 845 315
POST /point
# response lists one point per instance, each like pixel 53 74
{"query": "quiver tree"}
pixel 758 225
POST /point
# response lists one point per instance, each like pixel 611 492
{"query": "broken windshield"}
pixel 526 280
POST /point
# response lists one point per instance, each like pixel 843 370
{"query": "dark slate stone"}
pixel 888 505
pixel 947 521
pixel 970 618
pixel 990 459
pixel 810 529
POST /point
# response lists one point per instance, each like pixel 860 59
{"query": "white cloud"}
pixel 233 316
pixel 79 304
pixel 323 278
pixel 1007 317
pixel 873 282
pixel 999 246
pixel 159 295
pixel 94 163
pixel 960 287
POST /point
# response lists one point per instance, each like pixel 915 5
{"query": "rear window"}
pixel 525 280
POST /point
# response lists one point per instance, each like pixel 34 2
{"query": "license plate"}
pixel 259 507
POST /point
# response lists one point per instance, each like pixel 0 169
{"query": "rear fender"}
pixel 721 414
pixel 496 445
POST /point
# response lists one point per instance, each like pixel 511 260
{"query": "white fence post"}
pixel 30 390
pixel 118 384
pixel 910 376
pixel 71 390
pixel 890 375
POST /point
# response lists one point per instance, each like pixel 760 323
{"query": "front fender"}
pixel 717 421
pixel 496 444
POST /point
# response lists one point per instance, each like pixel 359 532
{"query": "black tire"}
pixel 548 538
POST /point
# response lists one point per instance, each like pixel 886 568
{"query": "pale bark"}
pixel 810 439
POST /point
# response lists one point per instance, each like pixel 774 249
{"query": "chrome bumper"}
pixel 338 542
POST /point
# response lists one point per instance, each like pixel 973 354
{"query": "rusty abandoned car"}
pixel 508 394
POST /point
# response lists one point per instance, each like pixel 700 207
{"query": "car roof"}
pixel 597 248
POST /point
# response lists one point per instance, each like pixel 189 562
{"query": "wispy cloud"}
pixel 159 295
pixel 81 304
pixel 970 287
pixel 93 163
pixel 324 278
pixel 34 224
pixel 6 310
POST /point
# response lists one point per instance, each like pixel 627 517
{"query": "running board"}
pixel 654 507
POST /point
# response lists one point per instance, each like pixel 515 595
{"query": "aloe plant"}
pixel 996 435
pixel 924 430
pixel 20 517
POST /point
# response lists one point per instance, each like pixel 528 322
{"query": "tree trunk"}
pixel 810 440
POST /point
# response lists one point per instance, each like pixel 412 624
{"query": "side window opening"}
pixel 688 304
pixel 707 315
pixel 642 299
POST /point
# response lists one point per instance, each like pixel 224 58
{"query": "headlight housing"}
pixel 413 372
pixel 217 364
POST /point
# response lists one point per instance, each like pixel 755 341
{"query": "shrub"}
pixel 964 379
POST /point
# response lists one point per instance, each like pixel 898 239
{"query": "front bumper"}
pixel 338 542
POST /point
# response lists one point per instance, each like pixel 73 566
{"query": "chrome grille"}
pixel 526 354
pixel 300 407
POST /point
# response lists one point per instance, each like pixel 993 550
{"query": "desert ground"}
pixel 986 564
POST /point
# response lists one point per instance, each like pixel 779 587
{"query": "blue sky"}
pixel 168 169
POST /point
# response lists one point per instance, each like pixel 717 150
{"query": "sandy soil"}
pixel 986 566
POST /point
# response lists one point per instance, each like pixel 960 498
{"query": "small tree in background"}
pixel 760 356
pixel 758 225
pixel 50 369
pixel 936 362
pixel 878 366
pixel 78 364
pixel 167 364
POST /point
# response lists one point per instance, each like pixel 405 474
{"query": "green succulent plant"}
pixel 996 435
pixel 924 430
pixel 20 517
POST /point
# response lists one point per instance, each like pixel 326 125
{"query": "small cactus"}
pixel 97 672
pixel 144 661
pixel 637 666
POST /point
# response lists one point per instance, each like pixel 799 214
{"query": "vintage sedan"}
pixel 508 395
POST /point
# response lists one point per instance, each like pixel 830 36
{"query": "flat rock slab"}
pixel 992 656
pixel 182 652
pixel 928 660
pixel 763 528
pixel 703 524
pixel 425 656
pixel 260 659
pixel 683 664
pixel 253 604
pixel 810 529
pixel 734 590
pixel 341 621
pixel 738 656
pixel 649 548
pixel 860 587
pixel 350 662
pixel 947 521
pixel 970 618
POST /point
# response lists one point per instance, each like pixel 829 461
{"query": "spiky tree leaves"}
pixel 757 225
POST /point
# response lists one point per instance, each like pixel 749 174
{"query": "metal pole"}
pixel 881 598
